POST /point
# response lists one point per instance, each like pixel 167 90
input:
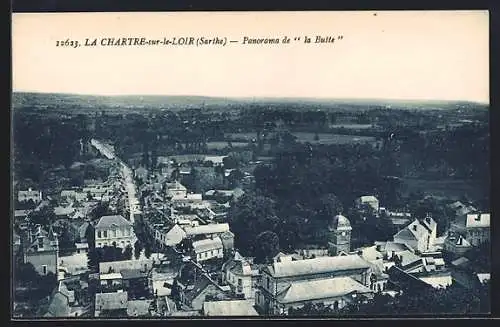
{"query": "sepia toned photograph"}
pixel 169 165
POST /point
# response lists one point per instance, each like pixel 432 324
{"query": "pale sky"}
pixel 440 55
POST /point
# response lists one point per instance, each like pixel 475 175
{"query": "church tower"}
pixel 340 235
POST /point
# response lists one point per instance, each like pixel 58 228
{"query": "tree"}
pixel 137 249
pixel 147 251
pixel 266 246
pixel 128 252
pixel 25 274
pixel 250 216
pixel 45 216
pixel 329 206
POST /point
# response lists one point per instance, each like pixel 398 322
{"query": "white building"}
pixel 420 235
pixel 208 249
pixel 112 230
pixel 24 196
pixel 369 200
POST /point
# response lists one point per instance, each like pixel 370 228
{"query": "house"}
pixel 21 215
pixel 389 248
pixel 279 276
pixel 239 274
pixel 169 236
pixel 227 239
pixel 64 212
pixel 440 279
pixel 204 288
pixel 474 227
pixel 216 160
pixel 368 200
pixel 206 249
pixel 42 251
pixel 135 281
pixel 420 235
pixel 229 308
pixel 111 304
pixel 16 242
pixel 139 308
pixel 335 292
pixel 59 306
pixel 33 195
pixel 456 244
pixel 206 231
pixel 75 264
pixel 119 266
pixel 461 209
pixel 405 281
pixel 161 280
pixel 141 173
pixel 379 278
pixel 111 282
pixel 176 190
pixel 114 230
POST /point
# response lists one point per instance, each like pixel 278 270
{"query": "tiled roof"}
pixel 59 306
pixel 462 261
pixel 137 308
pixel 111 301
pixel 321 289
pixel 118 266
pixel 437 280
pixel 317 266
pixel 200 285
pixel 207 229
pixel 414 231
pixel 116 220
pixel 207 245
pixel 408 257
pixel 230 308
pixel 133 273
pixel 368 198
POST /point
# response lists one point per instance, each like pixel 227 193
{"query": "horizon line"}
pixel 271 97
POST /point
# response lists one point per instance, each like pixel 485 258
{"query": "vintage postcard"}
pixel 250 164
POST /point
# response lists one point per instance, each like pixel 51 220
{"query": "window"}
pixel 206 254
pixel 99 234
pixel 268 283
pixel 99 244
pixel 240 283
pixel 105 233
pixel 212 253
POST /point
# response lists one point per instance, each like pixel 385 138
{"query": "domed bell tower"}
pixel 340 235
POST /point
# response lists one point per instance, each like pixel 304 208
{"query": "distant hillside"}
pixel 21 99
pixel 76 101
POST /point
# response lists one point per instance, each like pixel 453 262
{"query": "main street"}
pixel 126 172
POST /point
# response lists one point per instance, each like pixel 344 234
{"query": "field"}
pixel 446 188
pixel 326 138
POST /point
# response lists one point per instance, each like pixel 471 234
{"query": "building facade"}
pixel 279 276
pixel 114 230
